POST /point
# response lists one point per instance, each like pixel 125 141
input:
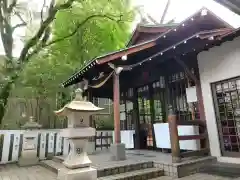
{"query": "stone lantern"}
pixel 30 139
pixel 77 164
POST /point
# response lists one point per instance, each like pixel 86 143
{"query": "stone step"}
pixel 58 159
pixel 222 169
pixel 123 168
pixel 164 178
pixel 145 174
pixel 52 165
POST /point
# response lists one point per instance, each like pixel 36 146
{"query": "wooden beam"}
pixel 136 119
pixel 192 123
pixel 192 137
pixel 124 52
pixel 154 29
pixel 186 69
pixel 195 153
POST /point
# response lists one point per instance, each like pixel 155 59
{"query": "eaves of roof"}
pixel 132 49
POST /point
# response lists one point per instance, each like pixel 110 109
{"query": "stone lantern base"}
pixel 118 152
pixel 87 173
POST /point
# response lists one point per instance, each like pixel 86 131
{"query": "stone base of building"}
pixel 118 152
pixel 87 173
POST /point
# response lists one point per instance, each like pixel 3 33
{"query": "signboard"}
pixel 191 93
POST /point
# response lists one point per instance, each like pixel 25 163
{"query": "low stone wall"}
pixel 178 170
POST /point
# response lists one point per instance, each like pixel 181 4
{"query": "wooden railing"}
pixel 103 140
pixel 177 155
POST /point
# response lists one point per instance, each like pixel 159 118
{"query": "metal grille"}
pixel 178 83
pixel 129 115
pixel 227 103
pixel 122 113
pixel 145 113
pixel 126 110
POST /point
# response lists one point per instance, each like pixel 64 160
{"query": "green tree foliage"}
pixel 10 9
pixel 107 29
pixel 86 30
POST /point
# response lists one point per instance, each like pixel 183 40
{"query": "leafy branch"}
pixel 51 16
pixel 80 25
pixel 44 45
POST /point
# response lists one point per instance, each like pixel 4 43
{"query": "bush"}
pixel 105 123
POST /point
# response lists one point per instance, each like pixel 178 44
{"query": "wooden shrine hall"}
pixel 154 83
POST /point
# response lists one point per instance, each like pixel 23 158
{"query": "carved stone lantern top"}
pixel 79 104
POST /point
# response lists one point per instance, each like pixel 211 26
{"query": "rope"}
pixel 103 82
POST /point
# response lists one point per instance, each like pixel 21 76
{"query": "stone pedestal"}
pixel 118 152
pixel 29 151
pixel 77 164
pixel 77 157
pixel 77 174
pixel 30 139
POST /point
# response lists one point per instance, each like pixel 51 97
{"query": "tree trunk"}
pixel 165 12
pixel 4 95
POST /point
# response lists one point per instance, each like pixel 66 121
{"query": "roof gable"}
pixel 148 32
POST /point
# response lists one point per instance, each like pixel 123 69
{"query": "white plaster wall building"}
pixel 219 66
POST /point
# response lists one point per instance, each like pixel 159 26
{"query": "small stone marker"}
pixel 30 139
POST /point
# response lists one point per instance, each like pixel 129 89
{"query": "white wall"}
pixel 219 63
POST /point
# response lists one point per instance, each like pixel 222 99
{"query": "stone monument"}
pixel 77 164
pixel 30 139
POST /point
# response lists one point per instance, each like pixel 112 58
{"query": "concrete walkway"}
pixel 14 172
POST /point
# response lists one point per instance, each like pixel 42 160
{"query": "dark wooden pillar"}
pixel 152 110
pixel 200 101
pixel 136 119
pixel 116 108
pixel 174 138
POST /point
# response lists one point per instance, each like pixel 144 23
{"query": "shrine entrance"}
pixel 226 96
pixel 145 120
pixel 154 98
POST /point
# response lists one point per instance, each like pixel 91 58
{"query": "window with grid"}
pixel 129 109
pixel 122 112
pixel 177 84
pixel 228 105
pixel 126 110
pixel 145 112
pixel 159 100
